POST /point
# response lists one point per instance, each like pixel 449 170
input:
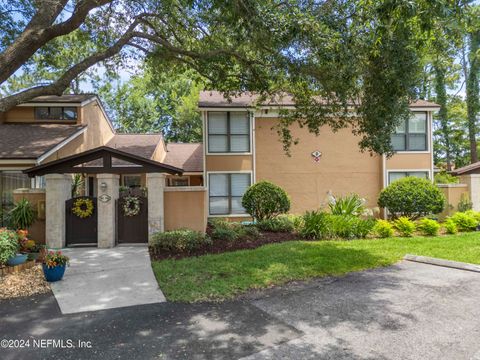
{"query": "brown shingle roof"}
pixel 249 99
pixel 66 98
pixel 143 145
pixel 29 141
pixel 468 169
pixel 188 157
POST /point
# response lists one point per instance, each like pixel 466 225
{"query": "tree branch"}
pixel 62 83
pixel 40 30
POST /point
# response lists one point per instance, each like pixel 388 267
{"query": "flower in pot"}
pixel 54 264
pixel 9 248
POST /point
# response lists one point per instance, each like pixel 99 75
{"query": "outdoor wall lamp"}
pixel 103 186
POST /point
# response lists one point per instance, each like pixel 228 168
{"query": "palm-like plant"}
pixel 347 205
pixel 22 216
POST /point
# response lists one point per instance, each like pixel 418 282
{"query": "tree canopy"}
pixel 331 56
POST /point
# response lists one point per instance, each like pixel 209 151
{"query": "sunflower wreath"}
pixel 131 205
pixel 83 208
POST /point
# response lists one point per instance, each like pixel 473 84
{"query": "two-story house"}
pixel 241 147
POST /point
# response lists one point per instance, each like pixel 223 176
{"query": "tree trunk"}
pixel 472 93
pixel 441 99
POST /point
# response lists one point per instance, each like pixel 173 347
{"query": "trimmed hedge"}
pixel 183 240
pixel 412 197
pixel 265 200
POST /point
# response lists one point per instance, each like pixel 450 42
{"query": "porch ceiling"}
pixel 75 164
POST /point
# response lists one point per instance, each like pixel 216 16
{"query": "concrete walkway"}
pixel 100 279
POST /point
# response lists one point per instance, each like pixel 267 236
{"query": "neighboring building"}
pixel 241 147
pixel 53 127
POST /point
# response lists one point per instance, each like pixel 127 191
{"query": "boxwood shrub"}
pixel 265 200
pixel 412 197
pixel 182 240
pixel 282 223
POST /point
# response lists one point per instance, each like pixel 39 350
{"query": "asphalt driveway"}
pixel 406 311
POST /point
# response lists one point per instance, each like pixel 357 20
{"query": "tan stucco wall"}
pixel 185 209
pixel 98 131
pixel 342 169
pixel 37 198
pixel 228 162
pixel 453 194
pixel 410 161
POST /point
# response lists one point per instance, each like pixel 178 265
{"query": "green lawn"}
pixel 223 276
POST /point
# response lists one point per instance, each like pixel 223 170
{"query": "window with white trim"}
pixel 228 132
pixel 225 192
pixel 411 135
pixel 396 175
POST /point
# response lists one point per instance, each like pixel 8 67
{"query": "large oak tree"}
pixel 360 54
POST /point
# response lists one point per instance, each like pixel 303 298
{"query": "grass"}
pixel 224 276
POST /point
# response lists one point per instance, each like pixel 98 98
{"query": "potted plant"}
pixel 9 248
pixel 29 246
pixel 54 264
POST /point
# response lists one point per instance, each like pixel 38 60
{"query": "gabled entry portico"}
pixel 99 161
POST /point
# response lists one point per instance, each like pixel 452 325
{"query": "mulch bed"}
pixel 24 283
pixel 221 246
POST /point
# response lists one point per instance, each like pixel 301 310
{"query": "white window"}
pixel 226 192
pixel 396 175
pixel 411 135
pixel 228 132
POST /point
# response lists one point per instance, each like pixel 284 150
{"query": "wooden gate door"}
pixel 132 228
pixel 81 230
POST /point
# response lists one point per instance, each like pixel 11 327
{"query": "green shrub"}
pixel 348 205
pixel 182 240
pixel 465 221
pixel 474 214
pixel 405 226
pixel 383 229
pixel 445 178
pixel 450 226
pixel 8 244
pixel 265 200
pixel 412 197
pixel 232 231
pixel 277 224
pixel 320 225
pixel 429 227
pixel 22 215
pixel 464 204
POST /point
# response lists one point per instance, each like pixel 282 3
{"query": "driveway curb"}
pixel 442 262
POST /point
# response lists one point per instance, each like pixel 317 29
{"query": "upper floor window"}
pixel 411 135
pixel 55 113
pixel 228 132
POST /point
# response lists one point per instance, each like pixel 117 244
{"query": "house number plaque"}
pixel 104 198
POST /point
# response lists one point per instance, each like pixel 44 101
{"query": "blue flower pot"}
pixel 53 274
pixel 17 259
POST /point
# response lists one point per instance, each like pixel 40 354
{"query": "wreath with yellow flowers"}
pixel 131 205
pixel 83 208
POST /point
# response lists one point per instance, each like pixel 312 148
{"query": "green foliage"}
pixel 464 204
pixel 22 215
pixel 450 226
pixel 412 197
pixel 383 229
pixel 280 223
pixel 321 225
pixel 405 226
pixel 351 204
pixel 465 221
pixel 9 245
pixel 265 200
pixel 182 240
pixel 77 184
pixel 445 178
pixel 232 231
pixel 429 227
